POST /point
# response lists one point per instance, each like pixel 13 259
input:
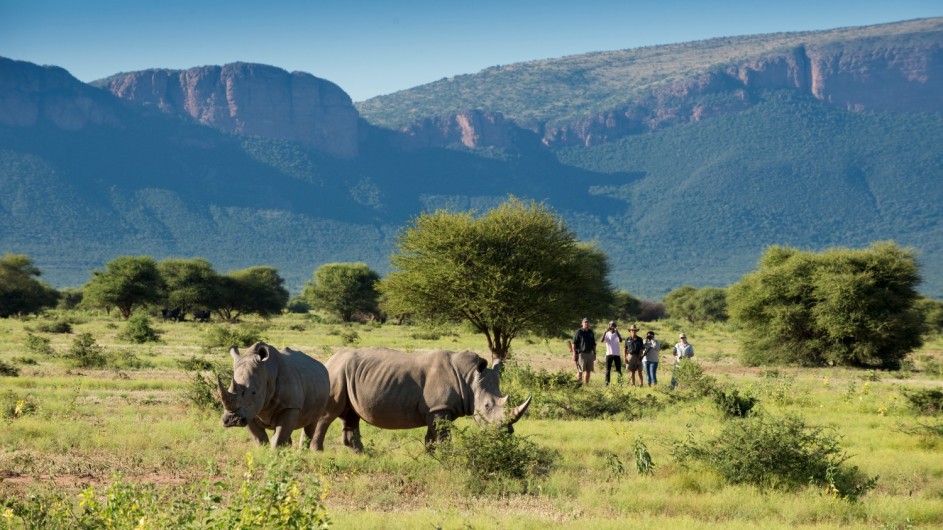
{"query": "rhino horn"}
pixel 234 352
pixel 228 398
pixel 519 410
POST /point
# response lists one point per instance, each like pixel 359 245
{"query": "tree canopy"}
pixel 514 269
pixel 254 290
pixel 21 291
pixel 840 306
pixel 188 283
pixel 344 289
pixel 697 306
pixel 126 282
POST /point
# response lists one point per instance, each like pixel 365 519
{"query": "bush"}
pixel 54 326
pixel 138 329
pixel 732 403
pixel 690 380
pixel 279 495
pixel 201 391
pixel 493 460
pixel 298 305
pixel 226 335
pixel 38 344
pixel 13 406
pixel 8 370
pixel 86 353
pixel 126 359
pixel 776 452
pixel 928 402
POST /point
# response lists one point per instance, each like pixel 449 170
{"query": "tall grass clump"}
pixel 493 460
pixel 776 453
pixel 928 402
pixel 733 404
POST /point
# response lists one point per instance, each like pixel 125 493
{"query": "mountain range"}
pixel 682 162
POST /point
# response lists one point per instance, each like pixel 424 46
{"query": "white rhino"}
pixel 392 390
pixel 274 390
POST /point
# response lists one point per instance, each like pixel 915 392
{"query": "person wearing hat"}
pixel 612 340
pixel 584 351
pixel 650 356
pixel 683 350
pixel 633 355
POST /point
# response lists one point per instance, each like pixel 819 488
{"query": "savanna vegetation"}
pixel 100 431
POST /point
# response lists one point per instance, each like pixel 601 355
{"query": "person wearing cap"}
pixel 683 350
pixel 650 356
pixel 612 340
pixel 584 348
pixel 633 355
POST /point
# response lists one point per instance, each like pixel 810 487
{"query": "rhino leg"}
pixel 257 430
pixel 436 431
pixel 284 424
pixel 351 423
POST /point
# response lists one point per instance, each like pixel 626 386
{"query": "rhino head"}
pixel 490 406
pixel 251 386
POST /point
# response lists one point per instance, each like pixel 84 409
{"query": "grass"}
pixel 84 425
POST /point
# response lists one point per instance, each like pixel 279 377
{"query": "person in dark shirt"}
pixel 584 347
pixel 634 347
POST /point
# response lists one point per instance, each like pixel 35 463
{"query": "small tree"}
pixel 344 288
pixel 516 268
pixel 127 282
pixel 841 306
pixel 254 290
pixel 625 307
pixel 188 283
pixel 20 290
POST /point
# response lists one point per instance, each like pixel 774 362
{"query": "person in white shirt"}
pixel 683 350
pixel 612 339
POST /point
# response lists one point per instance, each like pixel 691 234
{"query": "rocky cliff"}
pixel 32 95
pixel 250 99
pixel 595 98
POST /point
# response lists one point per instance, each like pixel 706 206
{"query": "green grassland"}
pixel 67 428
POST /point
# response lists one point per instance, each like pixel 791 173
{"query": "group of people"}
pixel 639 355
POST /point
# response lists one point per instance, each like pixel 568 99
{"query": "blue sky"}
pixel 371 48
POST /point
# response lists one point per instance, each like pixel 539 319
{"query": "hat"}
pixel 633 328
pixel 682 336
pixel 585 319
pixel 612 323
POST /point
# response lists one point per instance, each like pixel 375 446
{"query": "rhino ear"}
pixel 482 364
pixel 262 352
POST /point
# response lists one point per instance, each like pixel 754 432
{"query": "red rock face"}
pixel 473 129
pixel 250 99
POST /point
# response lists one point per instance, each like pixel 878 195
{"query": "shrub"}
pixel 643 459
pixel 8 370
pixel 226 335
pixel 13 406
pixel 138 329
pixel 126 359
pixel 776 452
pixel 86 353
pixel 299 305
pixel 690 380
pixel 732 403
pixel 928 402
pixel 494 460
pixel 350 337
pixel 54 326
pixel 201 391
pixel 38 344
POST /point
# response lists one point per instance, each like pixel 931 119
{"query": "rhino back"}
pixel 394 390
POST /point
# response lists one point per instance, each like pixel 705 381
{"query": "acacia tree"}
pixel 188 283
pixel 126 282
pixel 21 291
pixel 254 290
pixel 841 306
pixel 344 288
pixel 514 269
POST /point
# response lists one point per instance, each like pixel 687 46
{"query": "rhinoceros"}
pixel 274 390
pixel 393 390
